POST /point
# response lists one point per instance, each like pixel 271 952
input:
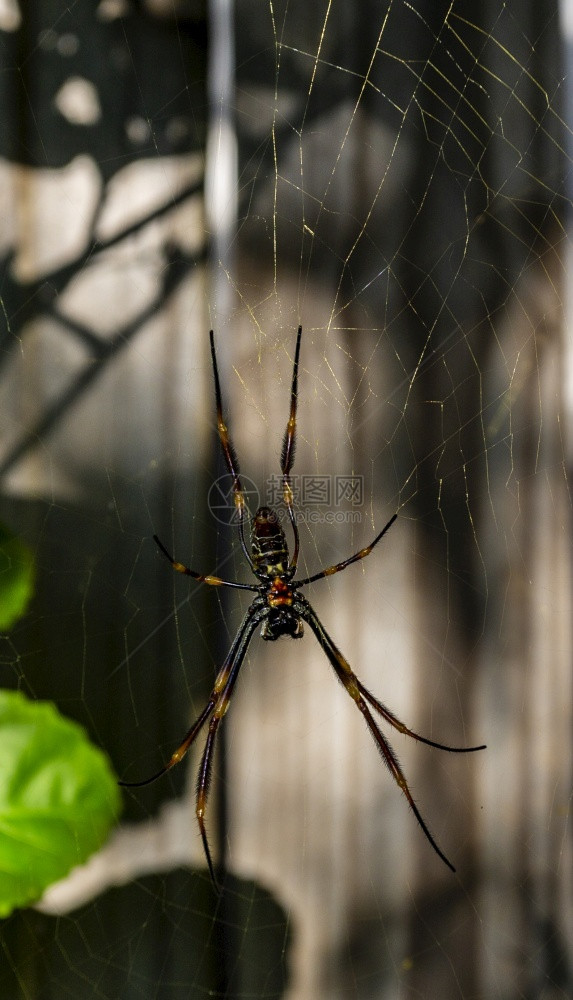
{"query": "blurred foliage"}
pixel 16 578
pixel 58 798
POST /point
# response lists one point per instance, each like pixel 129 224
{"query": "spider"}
pixel 280 610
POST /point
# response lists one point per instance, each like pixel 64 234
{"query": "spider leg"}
pixel 213 581
pixel 230 666
pixel 203 783
pixel 177 755
pixel 288 451
pixel 330 570
pixel 221 707
pixel 348 678
pixel 230 455
pixel 395 722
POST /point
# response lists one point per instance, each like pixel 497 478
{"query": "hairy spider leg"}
pixel 288 452
pixel 395 722
pixel 178 755
pixel 357 691
pixel 230 455
pixel 213 581
pixel 217 704
pixel 250 623
pixel 220 681
pixel 330 570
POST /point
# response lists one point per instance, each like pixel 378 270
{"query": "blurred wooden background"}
pixel 396 181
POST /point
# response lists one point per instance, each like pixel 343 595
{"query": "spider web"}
pixel 394 177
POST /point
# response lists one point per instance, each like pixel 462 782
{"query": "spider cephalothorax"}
pixel 280 611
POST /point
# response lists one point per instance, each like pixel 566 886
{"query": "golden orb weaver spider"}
pixel 280 609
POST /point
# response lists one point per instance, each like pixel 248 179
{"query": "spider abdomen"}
pixel 269 549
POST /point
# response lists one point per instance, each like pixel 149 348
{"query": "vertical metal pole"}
pixel 566 18
pixel 221 165
pixel 221 216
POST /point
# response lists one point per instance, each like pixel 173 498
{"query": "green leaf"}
pixel 58 798
pixel 16 578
